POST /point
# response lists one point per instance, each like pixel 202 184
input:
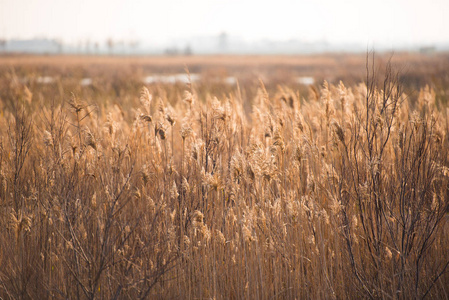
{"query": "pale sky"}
pixel 351 21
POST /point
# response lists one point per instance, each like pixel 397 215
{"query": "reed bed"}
pixel 341 192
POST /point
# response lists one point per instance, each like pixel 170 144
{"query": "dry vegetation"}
pixel 202 191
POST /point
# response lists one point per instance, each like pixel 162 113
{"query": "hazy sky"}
pixel 365 22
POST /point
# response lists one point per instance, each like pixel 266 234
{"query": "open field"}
pixel 325 66
pixel 245 177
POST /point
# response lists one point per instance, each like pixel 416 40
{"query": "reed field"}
pixel 224 177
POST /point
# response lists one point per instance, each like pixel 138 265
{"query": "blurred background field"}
pixel 118 78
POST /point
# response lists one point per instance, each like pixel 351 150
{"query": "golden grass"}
pixel 217 60
pixel 174 192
